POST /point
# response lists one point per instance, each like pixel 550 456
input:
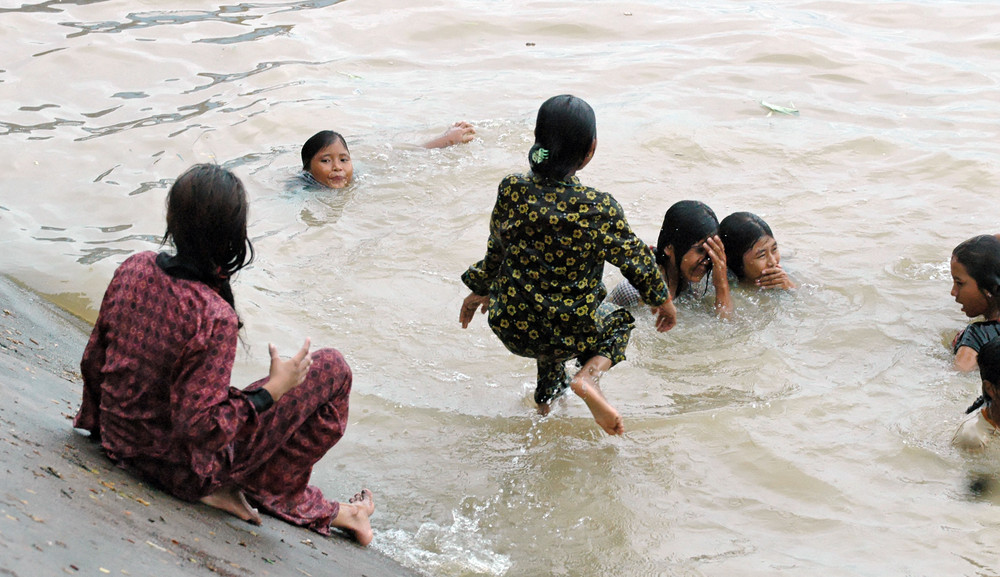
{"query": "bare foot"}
pixel 544 408
pixel 231 500
pixel 353 517
pixel 584 384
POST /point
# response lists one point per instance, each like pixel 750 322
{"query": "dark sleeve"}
pixel 633 257
pixel 479 276
pixel 204 409
pixel 88 417
pixel 976 335
pixel 261 400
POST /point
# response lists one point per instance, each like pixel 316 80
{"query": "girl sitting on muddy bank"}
pixel 157 368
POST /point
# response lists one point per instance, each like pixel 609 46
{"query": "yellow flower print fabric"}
pixel 544 266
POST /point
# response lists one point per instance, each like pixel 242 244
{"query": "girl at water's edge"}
pixel 541 278
pixel 157 368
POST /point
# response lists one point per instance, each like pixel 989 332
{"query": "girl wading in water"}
pixel 541 278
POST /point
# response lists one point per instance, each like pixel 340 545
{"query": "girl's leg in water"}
pixel 552 383
pixel 586 385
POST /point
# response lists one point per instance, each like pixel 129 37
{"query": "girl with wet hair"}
pixel 541 278
pixel 326 160
pixel 975 273
pixel 157 369
pixel 752 253
pixel 688 248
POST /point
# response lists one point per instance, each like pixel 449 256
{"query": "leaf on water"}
pixel 792 111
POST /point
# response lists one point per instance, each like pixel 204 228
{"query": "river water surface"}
pixel 808 436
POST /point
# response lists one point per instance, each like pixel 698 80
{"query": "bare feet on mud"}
pixel 232 501
pixel 353 517
pixel 585 385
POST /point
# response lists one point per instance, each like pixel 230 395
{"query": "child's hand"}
pixel 458 133
pixel 666 316
pixel 469 306
pixel 717 253
pixel 775 278
pixel 285 375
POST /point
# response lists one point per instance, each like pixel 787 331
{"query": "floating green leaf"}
pixel 790 110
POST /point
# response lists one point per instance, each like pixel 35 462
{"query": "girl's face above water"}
pixel 764 254
pixel 966 291
pixel 332 166
pixel 695 263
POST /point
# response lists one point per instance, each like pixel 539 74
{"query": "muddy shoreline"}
pixel 67 510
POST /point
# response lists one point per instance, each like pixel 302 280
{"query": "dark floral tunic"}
pixel 543 271
pixel 156 393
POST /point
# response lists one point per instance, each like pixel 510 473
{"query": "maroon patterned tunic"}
pixel 156 392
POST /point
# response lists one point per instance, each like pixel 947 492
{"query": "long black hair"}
pixel 685 223
pixel 980 255
pixel 564 130
pixel 207 212
pixel 318 142
pixel 739 232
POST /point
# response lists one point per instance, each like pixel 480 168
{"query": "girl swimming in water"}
pixel 687 249
pixel 326 160
pixel 975 273
pixel 752 253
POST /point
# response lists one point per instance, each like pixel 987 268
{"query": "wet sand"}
pixel 67 510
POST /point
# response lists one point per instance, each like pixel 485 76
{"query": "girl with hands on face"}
pixel 752 252
pixel 687 249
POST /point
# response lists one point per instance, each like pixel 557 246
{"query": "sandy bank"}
pixel 65 509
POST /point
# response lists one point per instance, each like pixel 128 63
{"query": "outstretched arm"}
pixel 458 133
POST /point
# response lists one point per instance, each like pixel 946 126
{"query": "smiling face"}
pixel 332 166
pixel 696 263
pixel 967 292
pixel 764 254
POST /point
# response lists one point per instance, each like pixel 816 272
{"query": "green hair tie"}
pixel 539 155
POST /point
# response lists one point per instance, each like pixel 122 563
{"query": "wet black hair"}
pixel 989 363
pixel 207 211
pixel 318 142
pixel 739 232
pixel 564 130
pixel 685 223
pixel 980 255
